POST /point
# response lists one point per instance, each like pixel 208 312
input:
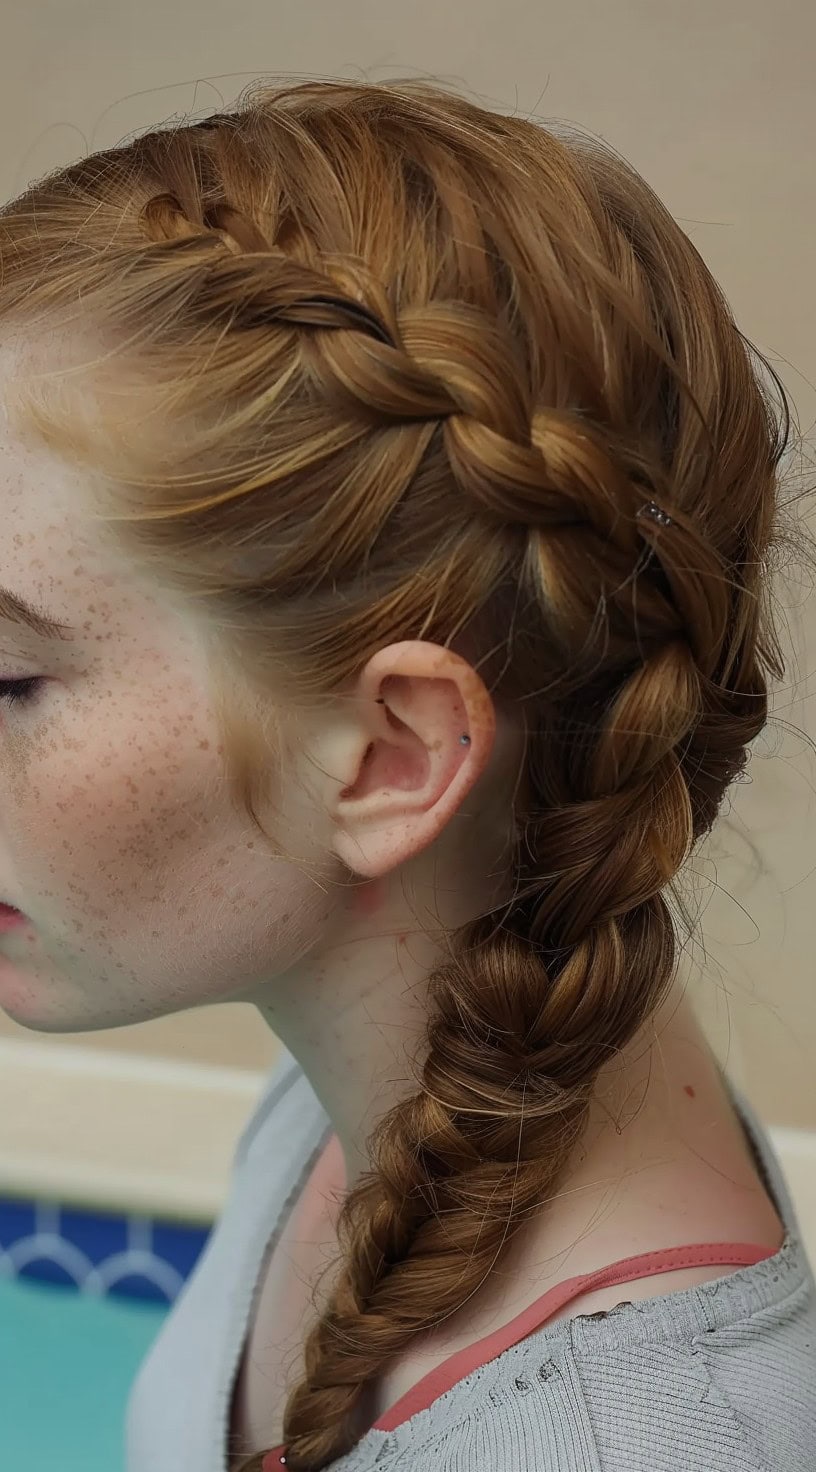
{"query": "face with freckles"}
pixel 146 888
pixel 146 891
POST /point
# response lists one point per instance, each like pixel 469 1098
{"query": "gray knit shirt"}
pixel 717 1378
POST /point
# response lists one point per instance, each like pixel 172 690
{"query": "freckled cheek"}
pixel 70 835
pixel 98 833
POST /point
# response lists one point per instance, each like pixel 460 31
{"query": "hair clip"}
pixel 656 513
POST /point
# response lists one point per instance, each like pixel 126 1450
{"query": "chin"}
pixel 54 1007
pixel 63 1025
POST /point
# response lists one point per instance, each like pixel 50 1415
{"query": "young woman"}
pixel 395 493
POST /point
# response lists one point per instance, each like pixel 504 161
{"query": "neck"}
pixel 356 1021
pixel 353 1022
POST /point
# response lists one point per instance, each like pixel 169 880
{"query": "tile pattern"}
pixel 95 1252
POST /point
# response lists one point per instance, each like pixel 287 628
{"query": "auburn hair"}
pixel 406 367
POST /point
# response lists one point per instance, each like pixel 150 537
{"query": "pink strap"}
pixel 474 1356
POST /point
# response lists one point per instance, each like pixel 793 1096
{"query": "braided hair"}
pixel 435 372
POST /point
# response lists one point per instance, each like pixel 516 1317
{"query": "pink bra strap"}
pixel 646 1265
pixel 473 1356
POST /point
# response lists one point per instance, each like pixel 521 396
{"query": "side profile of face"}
pixel 146 891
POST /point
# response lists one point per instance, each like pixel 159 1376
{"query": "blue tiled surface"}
pixel 102 1254
pixel 17 1220
pixel 179 1245
pixel 98 1236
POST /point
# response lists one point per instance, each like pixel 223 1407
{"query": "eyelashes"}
pixel 20 692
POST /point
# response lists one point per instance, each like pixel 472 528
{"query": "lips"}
pixel 11 919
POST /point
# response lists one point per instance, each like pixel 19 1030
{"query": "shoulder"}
pixel 633 1407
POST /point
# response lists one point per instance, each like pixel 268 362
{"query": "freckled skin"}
pixel 147 891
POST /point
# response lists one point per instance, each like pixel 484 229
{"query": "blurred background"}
pixel 115 1147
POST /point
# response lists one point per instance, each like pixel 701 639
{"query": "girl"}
pixel 388 496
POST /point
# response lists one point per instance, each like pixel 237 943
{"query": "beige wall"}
pixel 713 100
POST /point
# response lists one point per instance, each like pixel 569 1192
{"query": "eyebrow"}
pixel 15 610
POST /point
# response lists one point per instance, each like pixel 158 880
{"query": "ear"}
pixel 421 735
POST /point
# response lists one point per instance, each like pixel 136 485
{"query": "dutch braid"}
pixel 514 1049
pixel 484 398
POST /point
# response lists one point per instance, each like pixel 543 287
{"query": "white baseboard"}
pixel 121 1132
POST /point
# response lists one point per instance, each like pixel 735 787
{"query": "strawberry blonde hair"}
pixel 408 368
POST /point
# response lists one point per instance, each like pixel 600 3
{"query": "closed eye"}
pixel 20 692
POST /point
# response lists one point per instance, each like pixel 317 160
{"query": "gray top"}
pixel 717 1378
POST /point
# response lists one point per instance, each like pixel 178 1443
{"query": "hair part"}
pixel 400 367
